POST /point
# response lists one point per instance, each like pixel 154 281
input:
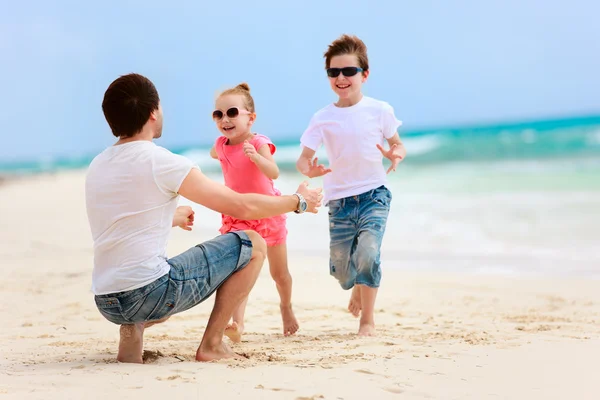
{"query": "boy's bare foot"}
pixel 131 344
pixel 218 352
pixel 354 306
pixel 366 330
pixel 234 332
pixel 290 324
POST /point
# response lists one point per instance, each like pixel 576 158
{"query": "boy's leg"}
pixel 235 330
pixel 342 236
pixel 278 266
pixel 372 224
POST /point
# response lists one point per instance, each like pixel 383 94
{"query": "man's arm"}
pixel 200 189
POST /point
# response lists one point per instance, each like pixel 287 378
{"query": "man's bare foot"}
pixel 354 306
pixel 366 330
pixel 212 353
pixel 290 324
pixel 234 332
pixel 131 344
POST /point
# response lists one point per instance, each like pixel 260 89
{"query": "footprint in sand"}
pixel 393 390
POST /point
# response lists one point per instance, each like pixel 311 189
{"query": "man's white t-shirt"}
pixel 131 197
pixel 350 136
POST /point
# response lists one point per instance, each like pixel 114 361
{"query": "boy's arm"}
pixel 266 163
pixel 213 153
pixel 396 144
pixel 309 167
pixel 200 189
pixel 305 160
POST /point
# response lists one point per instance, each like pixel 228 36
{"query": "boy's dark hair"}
pixel 128 103
pixel 347 44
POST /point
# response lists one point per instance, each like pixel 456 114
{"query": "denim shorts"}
pixel 195 274
pixel 356 228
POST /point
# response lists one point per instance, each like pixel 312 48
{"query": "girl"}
pixel 248 167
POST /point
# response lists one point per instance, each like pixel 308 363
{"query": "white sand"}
pixel 451 335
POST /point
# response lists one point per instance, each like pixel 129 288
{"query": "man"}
pixel 132 189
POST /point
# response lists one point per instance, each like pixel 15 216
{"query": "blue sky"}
pixel 437 62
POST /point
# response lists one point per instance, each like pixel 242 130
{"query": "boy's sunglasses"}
pixel 231 113
pixel 346 71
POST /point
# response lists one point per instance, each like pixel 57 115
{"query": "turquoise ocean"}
pixel 555 153
pixel 518 198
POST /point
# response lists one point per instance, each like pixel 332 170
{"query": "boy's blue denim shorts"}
pixel 356 228
pixel 195 274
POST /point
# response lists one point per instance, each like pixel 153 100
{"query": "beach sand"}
pixel 445 331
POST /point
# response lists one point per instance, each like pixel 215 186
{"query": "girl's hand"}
pixel 250 151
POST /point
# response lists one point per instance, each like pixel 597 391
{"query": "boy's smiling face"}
pixel 348 88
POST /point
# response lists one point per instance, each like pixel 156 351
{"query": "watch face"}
pixel 303 205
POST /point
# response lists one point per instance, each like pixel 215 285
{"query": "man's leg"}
pixel 131 343
pixel 229 296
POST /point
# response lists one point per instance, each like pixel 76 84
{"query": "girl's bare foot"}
pixel 216 352
pixel 234 331
pixel 290 324
pixel 355 305
pixel 367 329
pixel 131 344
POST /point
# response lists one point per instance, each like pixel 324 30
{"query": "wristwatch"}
pixel 302 206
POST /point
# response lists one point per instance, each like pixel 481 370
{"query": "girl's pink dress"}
pixel 243 176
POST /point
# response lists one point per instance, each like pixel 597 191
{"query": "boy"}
pixel 353 131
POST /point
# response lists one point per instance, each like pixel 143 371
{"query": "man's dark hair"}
pixel 128 103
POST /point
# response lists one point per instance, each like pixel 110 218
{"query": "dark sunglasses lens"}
pixel 233 112
pixel 349 71
pixel 333 72
pixel 217 114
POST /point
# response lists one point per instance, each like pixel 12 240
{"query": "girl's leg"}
pixel 278 266
pixel 235 330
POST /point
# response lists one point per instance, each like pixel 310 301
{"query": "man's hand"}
pixel 250 151
pixel 184 218
pixel 313 197
pixel 393 155
pixel 314 169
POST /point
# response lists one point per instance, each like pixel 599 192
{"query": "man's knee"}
pixel 259 246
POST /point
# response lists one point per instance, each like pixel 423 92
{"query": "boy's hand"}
pixel 184 218
pixel 391 155
pixel 250 151
pixel 315 169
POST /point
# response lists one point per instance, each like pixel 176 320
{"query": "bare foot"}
pixel 366 330
pixel 354 306
pixel 131 344
pixel 290 324
pixel 212 353
pixel 234 332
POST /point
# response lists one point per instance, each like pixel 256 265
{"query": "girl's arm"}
pixel 213 153
pixel 264 161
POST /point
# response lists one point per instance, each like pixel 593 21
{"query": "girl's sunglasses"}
pixel 346 71
pixel 231 113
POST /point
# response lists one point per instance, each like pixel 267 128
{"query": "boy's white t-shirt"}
pixel 350 136
pixel 131 197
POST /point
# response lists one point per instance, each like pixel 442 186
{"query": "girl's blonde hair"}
pixel 244 90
